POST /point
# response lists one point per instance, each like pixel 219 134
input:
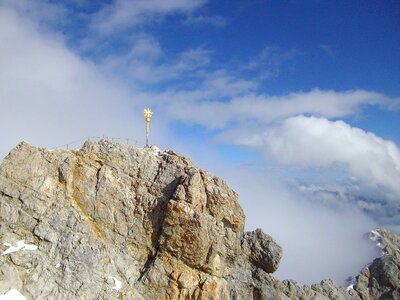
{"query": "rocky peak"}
pixel 110 221
pixel 150 219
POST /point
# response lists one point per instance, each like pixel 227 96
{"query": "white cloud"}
pixel 40 11
pixel 318 142
pixel 122 14
pixel 50 96
pixel 245 107
pixel 318 241
pixel 271 60
pixel 146 63
pixel 146 48
pixel 200 105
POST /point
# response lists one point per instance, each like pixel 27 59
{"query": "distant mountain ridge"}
pixel 110 221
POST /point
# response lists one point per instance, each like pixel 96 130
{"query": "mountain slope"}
pixel 115 222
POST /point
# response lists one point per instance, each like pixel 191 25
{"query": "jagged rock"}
pixel 381 279
pixel 164 228
pixel 112 221
pixel 263 252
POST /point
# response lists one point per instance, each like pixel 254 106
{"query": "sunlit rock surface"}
pixel 115 222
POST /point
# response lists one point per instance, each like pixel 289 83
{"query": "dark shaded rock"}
pixel 381 279
pixel 263 252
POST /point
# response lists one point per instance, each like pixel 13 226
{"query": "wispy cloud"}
pixel 122 14
pixel 36 10
pixel 217 21
pixel 146 63
pixel 328 49
pixel 255 108
pixel 270 61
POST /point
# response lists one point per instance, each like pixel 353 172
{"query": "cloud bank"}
pixel 318 142
pixel 318 242
pixel 49 95
pixel 246 107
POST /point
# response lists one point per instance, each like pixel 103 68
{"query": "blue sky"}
pixel 337 45
pixel 300 97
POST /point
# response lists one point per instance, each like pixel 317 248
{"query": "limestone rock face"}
pixel 263 252
pixel 381 279
pixel 151 220
pixel 115 222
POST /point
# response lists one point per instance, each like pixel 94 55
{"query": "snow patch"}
pixel 375 236
pixel 20 246
pixel 57 265
pixel 12 295
pixel 153 150
pixel 352 282
pixel 118 284
pixel 156 151
pixel 350 287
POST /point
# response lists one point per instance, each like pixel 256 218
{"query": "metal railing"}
pixel 128 141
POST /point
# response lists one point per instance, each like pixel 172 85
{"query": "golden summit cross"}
pixel 147 114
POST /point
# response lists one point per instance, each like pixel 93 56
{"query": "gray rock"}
pixel 381 279
pixel 263 252
pixel 149 220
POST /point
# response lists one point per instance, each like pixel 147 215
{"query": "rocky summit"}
pixel 110 221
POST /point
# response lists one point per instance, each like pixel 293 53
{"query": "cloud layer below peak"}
pixel 319 142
